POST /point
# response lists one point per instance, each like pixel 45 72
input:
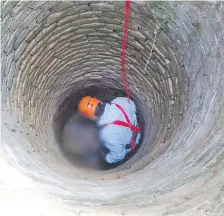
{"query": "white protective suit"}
pixel 115 137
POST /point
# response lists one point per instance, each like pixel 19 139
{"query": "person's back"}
pixel 117 138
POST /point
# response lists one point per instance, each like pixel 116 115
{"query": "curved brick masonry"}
pixel 51 50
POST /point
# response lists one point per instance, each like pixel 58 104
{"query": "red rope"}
pixel 124 41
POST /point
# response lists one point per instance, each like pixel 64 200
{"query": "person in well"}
pixel 119 132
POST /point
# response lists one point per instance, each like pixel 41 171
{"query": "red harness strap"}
pixel 134 129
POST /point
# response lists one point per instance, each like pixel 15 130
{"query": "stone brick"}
pixel 8 63
pixel 63 6
pixel 115 27
pixel 67 19
pixel 137 35
pixel 4 25
pixel 37 4
pixel 30 18
pixel 21 38
pixel 101 7
pixel 49 6
pixel 52 18
pixel 10 42
pixel 32 34
pixel 32 25
pixel 20 50
pixel 3 63
pixel 40 18
pixel 77 3
pixel 83 32
pixel 78 9
pixel 10 75
pixel 108 20
pixel 4 41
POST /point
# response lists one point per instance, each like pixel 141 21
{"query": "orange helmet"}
pixel 87 106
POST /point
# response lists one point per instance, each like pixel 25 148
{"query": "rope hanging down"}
pixel 123 48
